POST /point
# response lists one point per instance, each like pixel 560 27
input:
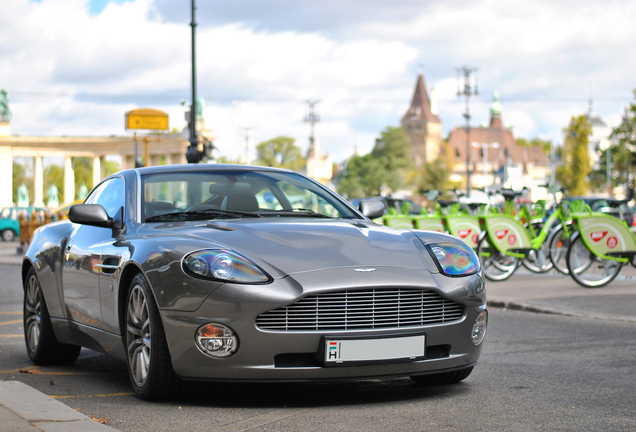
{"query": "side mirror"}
pixel 372 208
pixel 90 214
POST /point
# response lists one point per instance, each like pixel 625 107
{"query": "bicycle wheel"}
pixel 587 269
pixel 538 261
pixel 558 243
pixel 496 266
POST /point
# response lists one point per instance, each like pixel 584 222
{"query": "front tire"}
pixel 149 364
pixel 41 344
pixel 587 269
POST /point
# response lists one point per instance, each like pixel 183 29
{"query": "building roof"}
pixel 420 109
pixel 507 149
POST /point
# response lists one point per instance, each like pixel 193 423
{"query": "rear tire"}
pixel 587 269
pixel 41 344
pixel 442 378
pixel 496 266
pixel 149 364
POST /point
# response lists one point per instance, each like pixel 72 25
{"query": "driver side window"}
pixel 110 195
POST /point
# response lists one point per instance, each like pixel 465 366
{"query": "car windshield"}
pixel 232 194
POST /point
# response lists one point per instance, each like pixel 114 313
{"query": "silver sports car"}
pixel 228 273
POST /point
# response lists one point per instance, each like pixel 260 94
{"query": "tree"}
pixel 83 172
pixel 389 165
pixel 22 174
pixel 280 152
pixel 624 138
pixel 436 174
pixel 572 174
pixel 363 177
pixel 54 174
pixel 393 149
pixel 110 167
pixel 545 145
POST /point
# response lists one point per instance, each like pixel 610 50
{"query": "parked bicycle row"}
pixel 564 234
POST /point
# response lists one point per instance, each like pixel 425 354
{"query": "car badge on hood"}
pixel 364 270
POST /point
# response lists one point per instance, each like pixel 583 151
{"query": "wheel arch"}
pixel 128 274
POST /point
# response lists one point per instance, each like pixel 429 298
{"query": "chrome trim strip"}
pixel 107 266
pixel 138 195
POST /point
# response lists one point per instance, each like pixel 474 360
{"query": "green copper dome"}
pixel 495 108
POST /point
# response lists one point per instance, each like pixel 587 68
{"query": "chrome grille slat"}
pixel 363 309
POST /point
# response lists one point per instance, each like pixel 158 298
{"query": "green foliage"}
pixel 572 174
pixel 228 160
pixel 546 145
pixel 83 170
pixel 111 167
pixel 22 174
pixel 436 174
pixel 624 138
pixel 54 174
pixel 393 149
pixel 364 177
pixel 389 165
pixel 280 152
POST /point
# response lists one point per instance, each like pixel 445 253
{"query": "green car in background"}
pixel 9 223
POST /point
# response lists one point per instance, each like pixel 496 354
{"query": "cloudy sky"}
pixel 74 67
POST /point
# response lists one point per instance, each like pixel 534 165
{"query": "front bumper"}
pixel 266 355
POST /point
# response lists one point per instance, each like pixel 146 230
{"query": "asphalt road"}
pixel 538 372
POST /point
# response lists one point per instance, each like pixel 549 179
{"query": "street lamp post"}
pixel 465 87
pixel 193 155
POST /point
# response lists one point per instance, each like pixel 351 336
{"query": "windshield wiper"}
pixel 202 214
pixel 294 212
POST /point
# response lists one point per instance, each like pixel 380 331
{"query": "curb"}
pixel 528 307
pixel 26 405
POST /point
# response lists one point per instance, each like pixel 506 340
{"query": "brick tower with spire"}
pixel 422 126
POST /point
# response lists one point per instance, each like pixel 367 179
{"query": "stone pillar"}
pixel 69 181
pixel 97 170
pixel 6 176
pixel 38 200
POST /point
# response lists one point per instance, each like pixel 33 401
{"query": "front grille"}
pixel 362 310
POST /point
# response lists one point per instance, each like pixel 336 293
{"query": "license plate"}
pixel 359 350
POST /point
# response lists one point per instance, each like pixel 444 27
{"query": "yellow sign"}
pixel 149 119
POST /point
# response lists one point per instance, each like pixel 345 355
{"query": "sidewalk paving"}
pixel 22 408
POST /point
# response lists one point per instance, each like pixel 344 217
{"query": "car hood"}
pixel 300 245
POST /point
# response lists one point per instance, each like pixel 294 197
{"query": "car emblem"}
pixel 364 270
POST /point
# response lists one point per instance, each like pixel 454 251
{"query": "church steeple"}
pixel 495 111
pixel 422 125
pixel 420 109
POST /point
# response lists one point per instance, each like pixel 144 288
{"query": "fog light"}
pixel 216 340
pixel 479 328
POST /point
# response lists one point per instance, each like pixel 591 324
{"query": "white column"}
pixel 97 170
pixel 6 176
pixel 69 181
pixel 39 183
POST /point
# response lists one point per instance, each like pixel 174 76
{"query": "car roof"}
pixel 206 167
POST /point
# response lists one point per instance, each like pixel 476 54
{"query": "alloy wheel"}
pixel 139 334
pixel 32 313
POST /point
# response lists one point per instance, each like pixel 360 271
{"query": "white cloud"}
pixel 72 73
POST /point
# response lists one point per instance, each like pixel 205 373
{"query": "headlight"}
pixel 225 266
pixel 454 259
